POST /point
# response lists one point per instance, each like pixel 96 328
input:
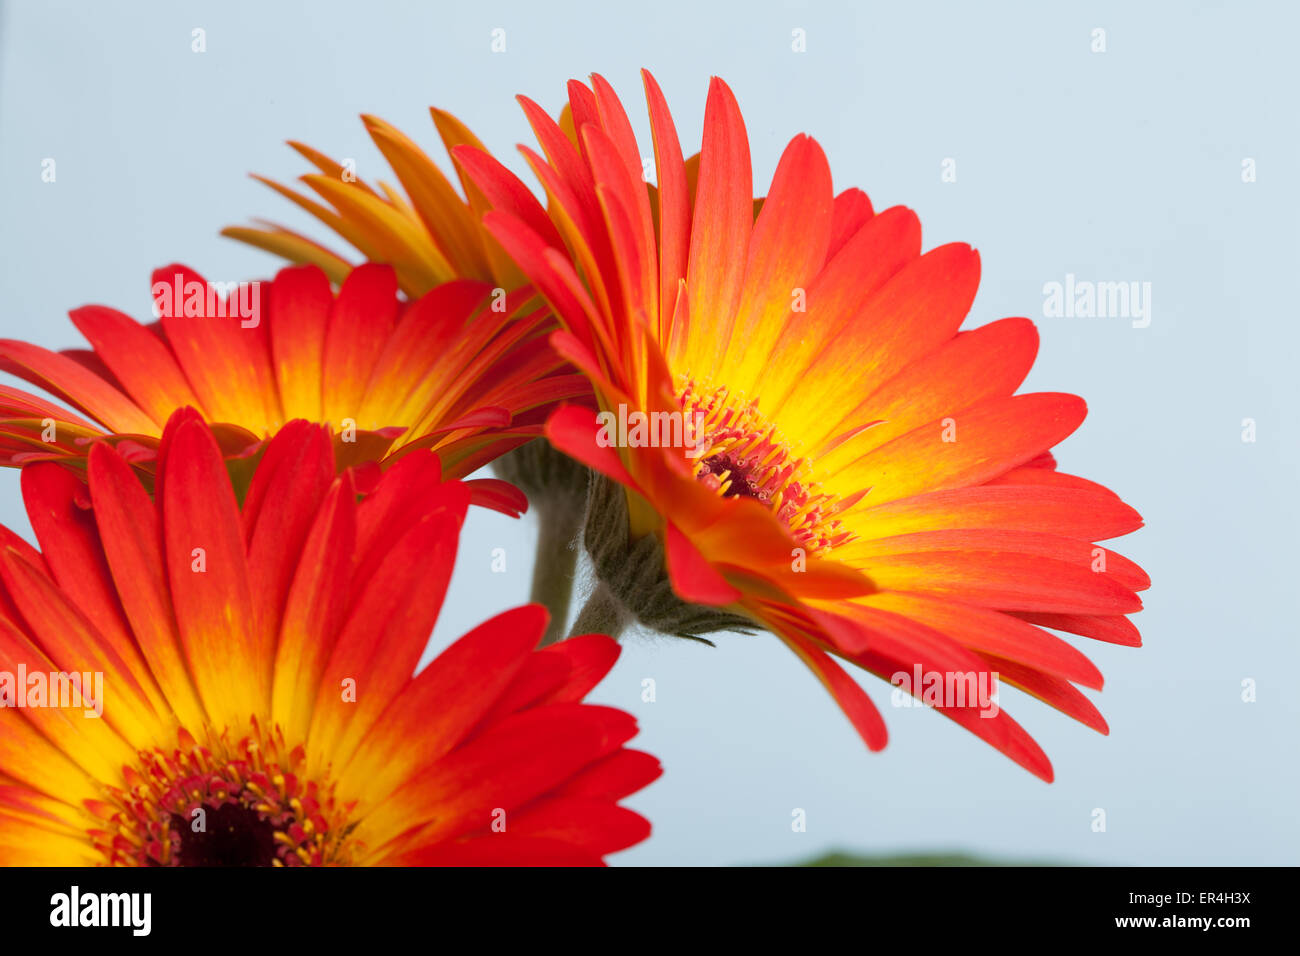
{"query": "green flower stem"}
pixel 556 487
pixel 554 564
pixel 601 614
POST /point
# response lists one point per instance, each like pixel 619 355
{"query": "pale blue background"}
pixel 1117 166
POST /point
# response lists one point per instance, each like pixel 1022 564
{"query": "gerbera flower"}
pixel 430 235
pixel 862 481
pixel 464 371
pixel 252 665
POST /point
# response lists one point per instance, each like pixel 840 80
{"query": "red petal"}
pixel 72 549
pixel 229 658
pixel 694 579
pixel 394 609
pixel 498 495
pixel 301 302
pixel 724 216
pixel 436 710
pixel 319 599
pixel 215 350
pixel 286 495
pixel 597 826
pixel 362 320
pixel 525 756
pixel 129 530
pixel 852 699
pixel 852 211
pixel 620 774
pixel 140 360
pixel 71 382
pixel 674 203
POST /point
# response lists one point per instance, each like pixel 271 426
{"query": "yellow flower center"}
pixel 228 803
pixel 739 453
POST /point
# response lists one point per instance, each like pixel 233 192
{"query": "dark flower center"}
pixel 740 454
pixel 229 835
pixel 229 801
pixel 739 474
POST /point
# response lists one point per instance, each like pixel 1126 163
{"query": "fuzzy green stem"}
pixel 556 487
pixel 554 564
pixel 601 614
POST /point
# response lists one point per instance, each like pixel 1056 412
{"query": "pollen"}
pixel 740 454
pixel 235 801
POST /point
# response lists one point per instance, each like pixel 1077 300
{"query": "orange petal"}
pixel 990 438
pixel 910 316
pixel 836 300
pixel 988 362
pixel 1005 580
pixel 1074 512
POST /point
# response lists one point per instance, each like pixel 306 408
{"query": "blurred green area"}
pixel 919 859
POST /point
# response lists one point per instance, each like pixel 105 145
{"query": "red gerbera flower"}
pixel 248 691
pixel 464 371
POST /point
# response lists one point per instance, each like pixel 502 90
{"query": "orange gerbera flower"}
pixel 430 236
pixel 465 371
pixel 862 479
pixel 244 691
